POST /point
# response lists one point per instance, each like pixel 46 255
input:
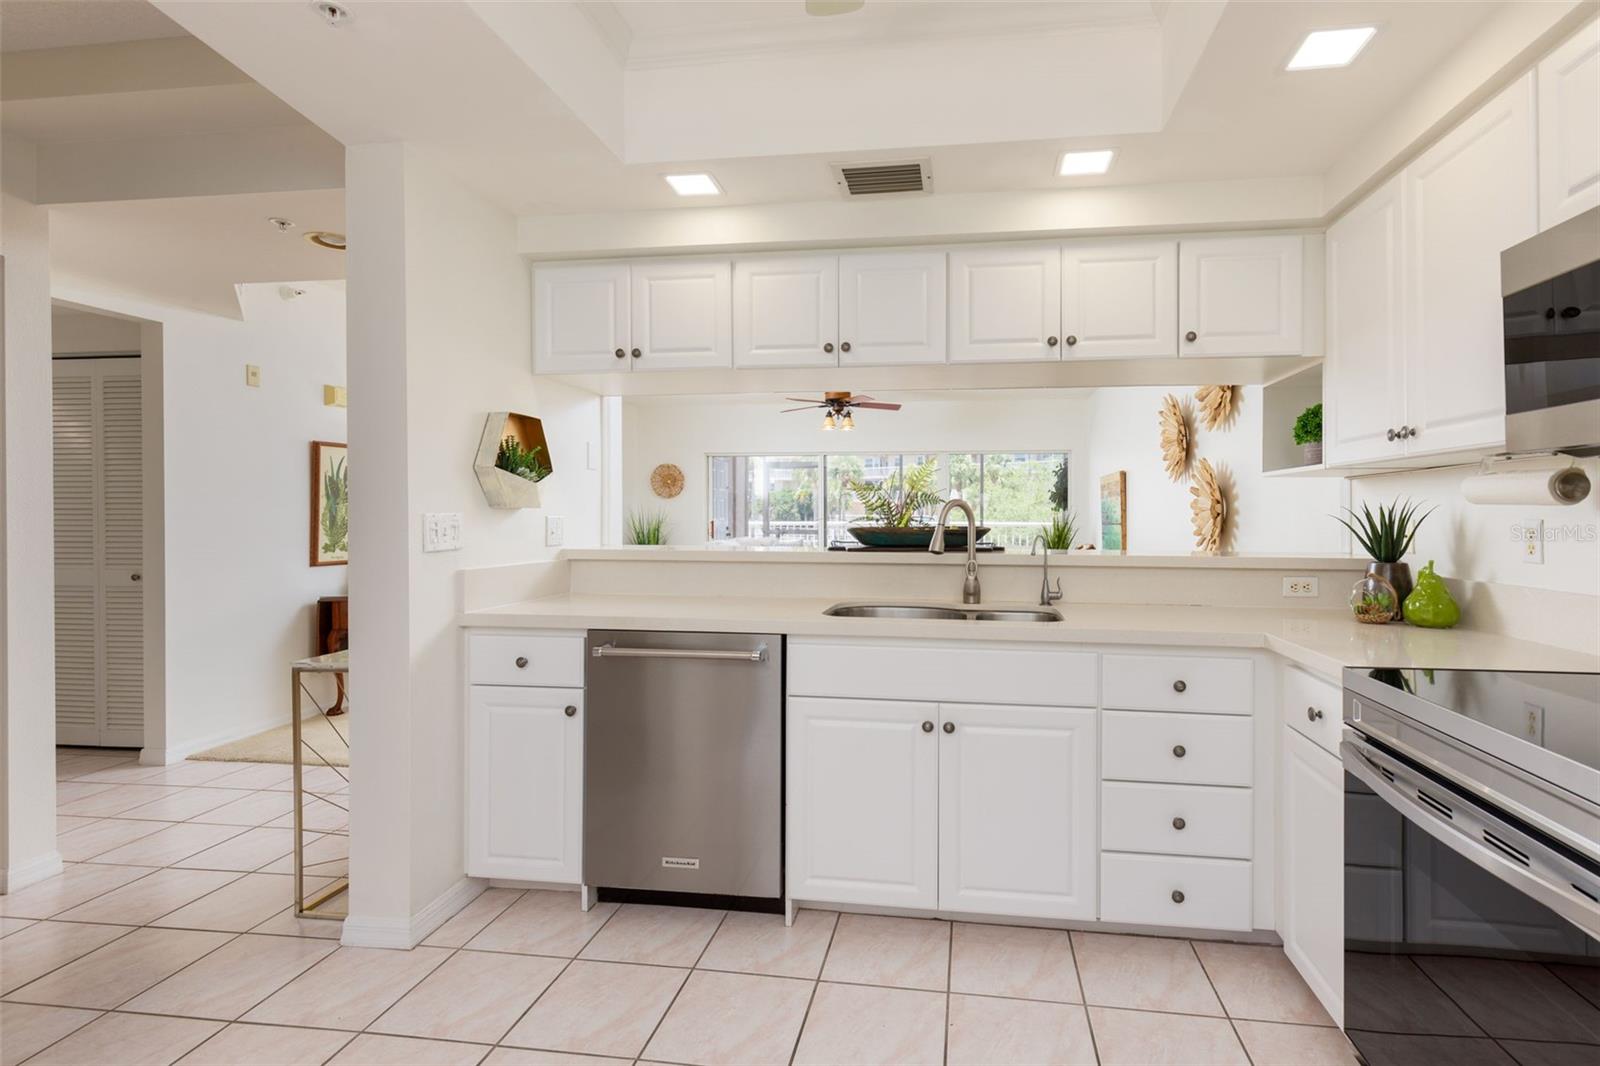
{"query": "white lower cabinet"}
pixel 863 802
pixel 1169 890
pixel 1016 810
pixel 525 783
pixel 1311 863
pixel 979 808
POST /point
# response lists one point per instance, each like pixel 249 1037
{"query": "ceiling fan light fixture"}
pixel 827 421
pixel 849 422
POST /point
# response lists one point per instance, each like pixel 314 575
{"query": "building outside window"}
pixel 804 501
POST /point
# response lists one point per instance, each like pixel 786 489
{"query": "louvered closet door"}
pixel 99 553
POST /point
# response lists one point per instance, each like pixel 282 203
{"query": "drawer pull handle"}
pixel 1178 824
pixel 522 662
pixel 927 727
pixel 1312 714
pixel 949 727
pixel 1180 686
pixel 1179 751
pixel 571 711
pixel 1177 895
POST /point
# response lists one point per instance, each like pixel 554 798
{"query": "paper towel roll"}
pixel 1565 486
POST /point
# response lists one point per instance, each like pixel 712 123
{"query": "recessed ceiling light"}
pixel 282 225
pixel 693 184
pixel 323 238
pixel 1331 48
pixel 1074 164
pixel 332 14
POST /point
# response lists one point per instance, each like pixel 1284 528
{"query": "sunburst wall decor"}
pixel 1216 405
pixel 1174 438
pixel 1208 507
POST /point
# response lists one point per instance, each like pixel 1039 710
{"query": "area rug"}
pixel 277 745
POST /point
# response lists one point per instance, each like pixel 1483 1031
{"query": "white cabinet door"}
pixel 1005 304
pixel 1363 376
pixel 1311 858
pixel 786 311
pixel 525 783
pixel 1119 299
pixel 863 802
pixel 1569 128
pixel 1017 799
pixel 1241 295
pixel 891 308
pixel 1469 197
pixel 580 319
pixel 682 314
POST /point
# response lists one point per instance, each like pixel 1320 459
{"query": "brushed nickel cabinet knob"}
pixel 1179 751
pixel 949 727
pixel 571 711
pixel 1180 686
pixel 621 354
pixel 1191 336
pixel 927 727
pixel 828 347
pixel 522 662
pixel 1312 714
pixel 1178 824
pixel 1177 895
pixel 1051 341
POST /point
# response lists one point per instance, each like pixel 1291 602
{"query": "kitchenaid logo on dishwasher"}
pixel 674 862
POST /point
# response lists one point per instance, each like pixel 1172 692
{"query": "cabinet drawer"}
pixel 525 659
pixel 1187 749
pixel 1160 890
pixel 946 673
pixel 1313 708
pixel 1215 821
pixel 1178 683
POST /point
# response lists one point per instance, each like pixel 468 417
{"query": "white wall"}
pixel 438 338
pixel 74 332
pixel 27 598
pixel 686 430
pixel 239 591
pixel 1266 515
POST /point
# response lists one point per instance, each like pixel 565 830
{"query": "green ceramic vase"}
pixel 1430 604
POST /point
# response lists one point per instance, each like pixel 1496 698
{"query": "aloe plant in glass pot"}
pixel 1386 536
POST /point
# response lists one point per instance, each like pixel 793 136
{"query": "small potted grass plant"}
pixel 1061 532
pixel 1308 434
pixel 647 527
pixel 1386 536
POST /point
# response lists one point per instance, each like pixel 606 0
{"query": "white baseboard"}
pixel 24 874
pixel 408 933
pixel 180 752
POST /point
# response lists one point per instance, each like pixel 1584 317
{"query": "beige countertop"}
pixel 1323 641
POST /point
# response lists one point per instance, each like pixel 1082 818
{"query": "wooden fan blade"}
pixel 806 399
pixel 857 399
pixel 807 407
pixel 878 406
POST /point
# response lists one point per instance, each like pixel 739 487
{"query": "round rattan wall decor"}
pixel 666 481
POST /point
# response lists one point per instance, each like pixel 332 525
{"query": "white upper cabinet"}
pixel 682 314
pixel 1569 128
pixel 1119 299
pixel 1465 200
pixel 580 318
pixel 891 308
pixel 1241 296
pixel 1005 304
pixel 1018 789
pixel 863 801
pixel 1364 372
pixel 786 311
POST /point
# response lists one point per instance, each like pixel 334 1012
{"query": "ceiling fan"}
pixel 838 405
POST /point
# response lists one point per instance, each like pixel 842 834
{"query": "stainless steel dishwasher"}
pixel 683 762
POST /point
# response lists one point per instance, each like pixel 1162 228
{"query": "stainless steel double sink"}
pixel 975 612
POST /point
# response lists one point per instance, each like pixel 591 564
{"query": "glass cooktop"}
pixel 1559 712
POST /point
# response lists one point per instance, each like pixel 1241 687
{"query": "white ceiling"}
pixel 28 24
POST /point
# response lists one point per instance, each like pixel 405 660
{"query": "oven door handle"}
pixel 1565 900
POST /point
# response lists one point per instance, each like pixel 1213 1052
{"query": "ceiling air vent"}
pixel 884 179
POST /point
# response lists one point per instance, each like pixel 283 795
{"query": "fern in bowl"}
pixel 647 527
pixel 898 506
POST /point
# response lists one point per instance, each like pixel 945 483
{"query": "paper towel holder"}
pixel 1559 480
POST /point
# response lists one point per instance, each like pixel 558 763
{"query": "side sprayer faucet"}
pixel 1047 596
pixel 970 592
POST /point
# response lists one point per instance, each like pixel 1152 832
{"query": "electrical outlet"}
pixel 1300 587
pixel 252 376
pixel 555 529
pixel 1533 542
pixel 441 532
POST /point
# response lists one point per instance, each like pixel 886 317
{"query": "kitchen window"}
pixel 803 501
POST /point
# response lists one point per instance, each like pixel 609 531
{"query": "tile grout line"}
pixel 816 983
pixel 1083 994
pixel 567 966
pixel 681 985
pixel 949 975
pixel 1226 1012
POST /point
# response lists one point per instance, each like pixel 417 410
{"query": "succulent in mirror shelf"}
pixel 524 462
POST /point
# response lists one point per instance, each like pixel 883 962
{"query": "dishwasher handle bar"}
pixel 611 651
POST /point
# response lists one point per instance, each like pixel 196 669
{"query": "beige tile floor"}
pixel 168 938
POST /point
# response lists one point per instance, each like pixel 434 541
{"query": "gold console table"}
pixel 338 664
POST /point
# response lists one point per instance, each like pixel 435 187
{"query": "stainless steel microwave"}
pixel 1550 286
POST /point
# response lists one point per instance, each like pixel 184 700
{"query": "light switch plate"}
pixel 252 376
pixel 555 530
pixel 441 532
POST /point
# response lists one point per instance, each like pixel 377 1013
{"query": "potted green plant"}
pixel 897 510
pixel 1386 536
pixel 1061 532
pixel 524 462
pixel 1308 434
pixel 647 527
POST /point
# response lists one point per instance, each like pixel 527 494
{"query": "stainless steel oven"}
pixel 1472 867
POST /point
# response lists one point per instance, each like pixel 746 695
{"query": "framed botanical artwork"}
pixel 1114 512
pixel 330 504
